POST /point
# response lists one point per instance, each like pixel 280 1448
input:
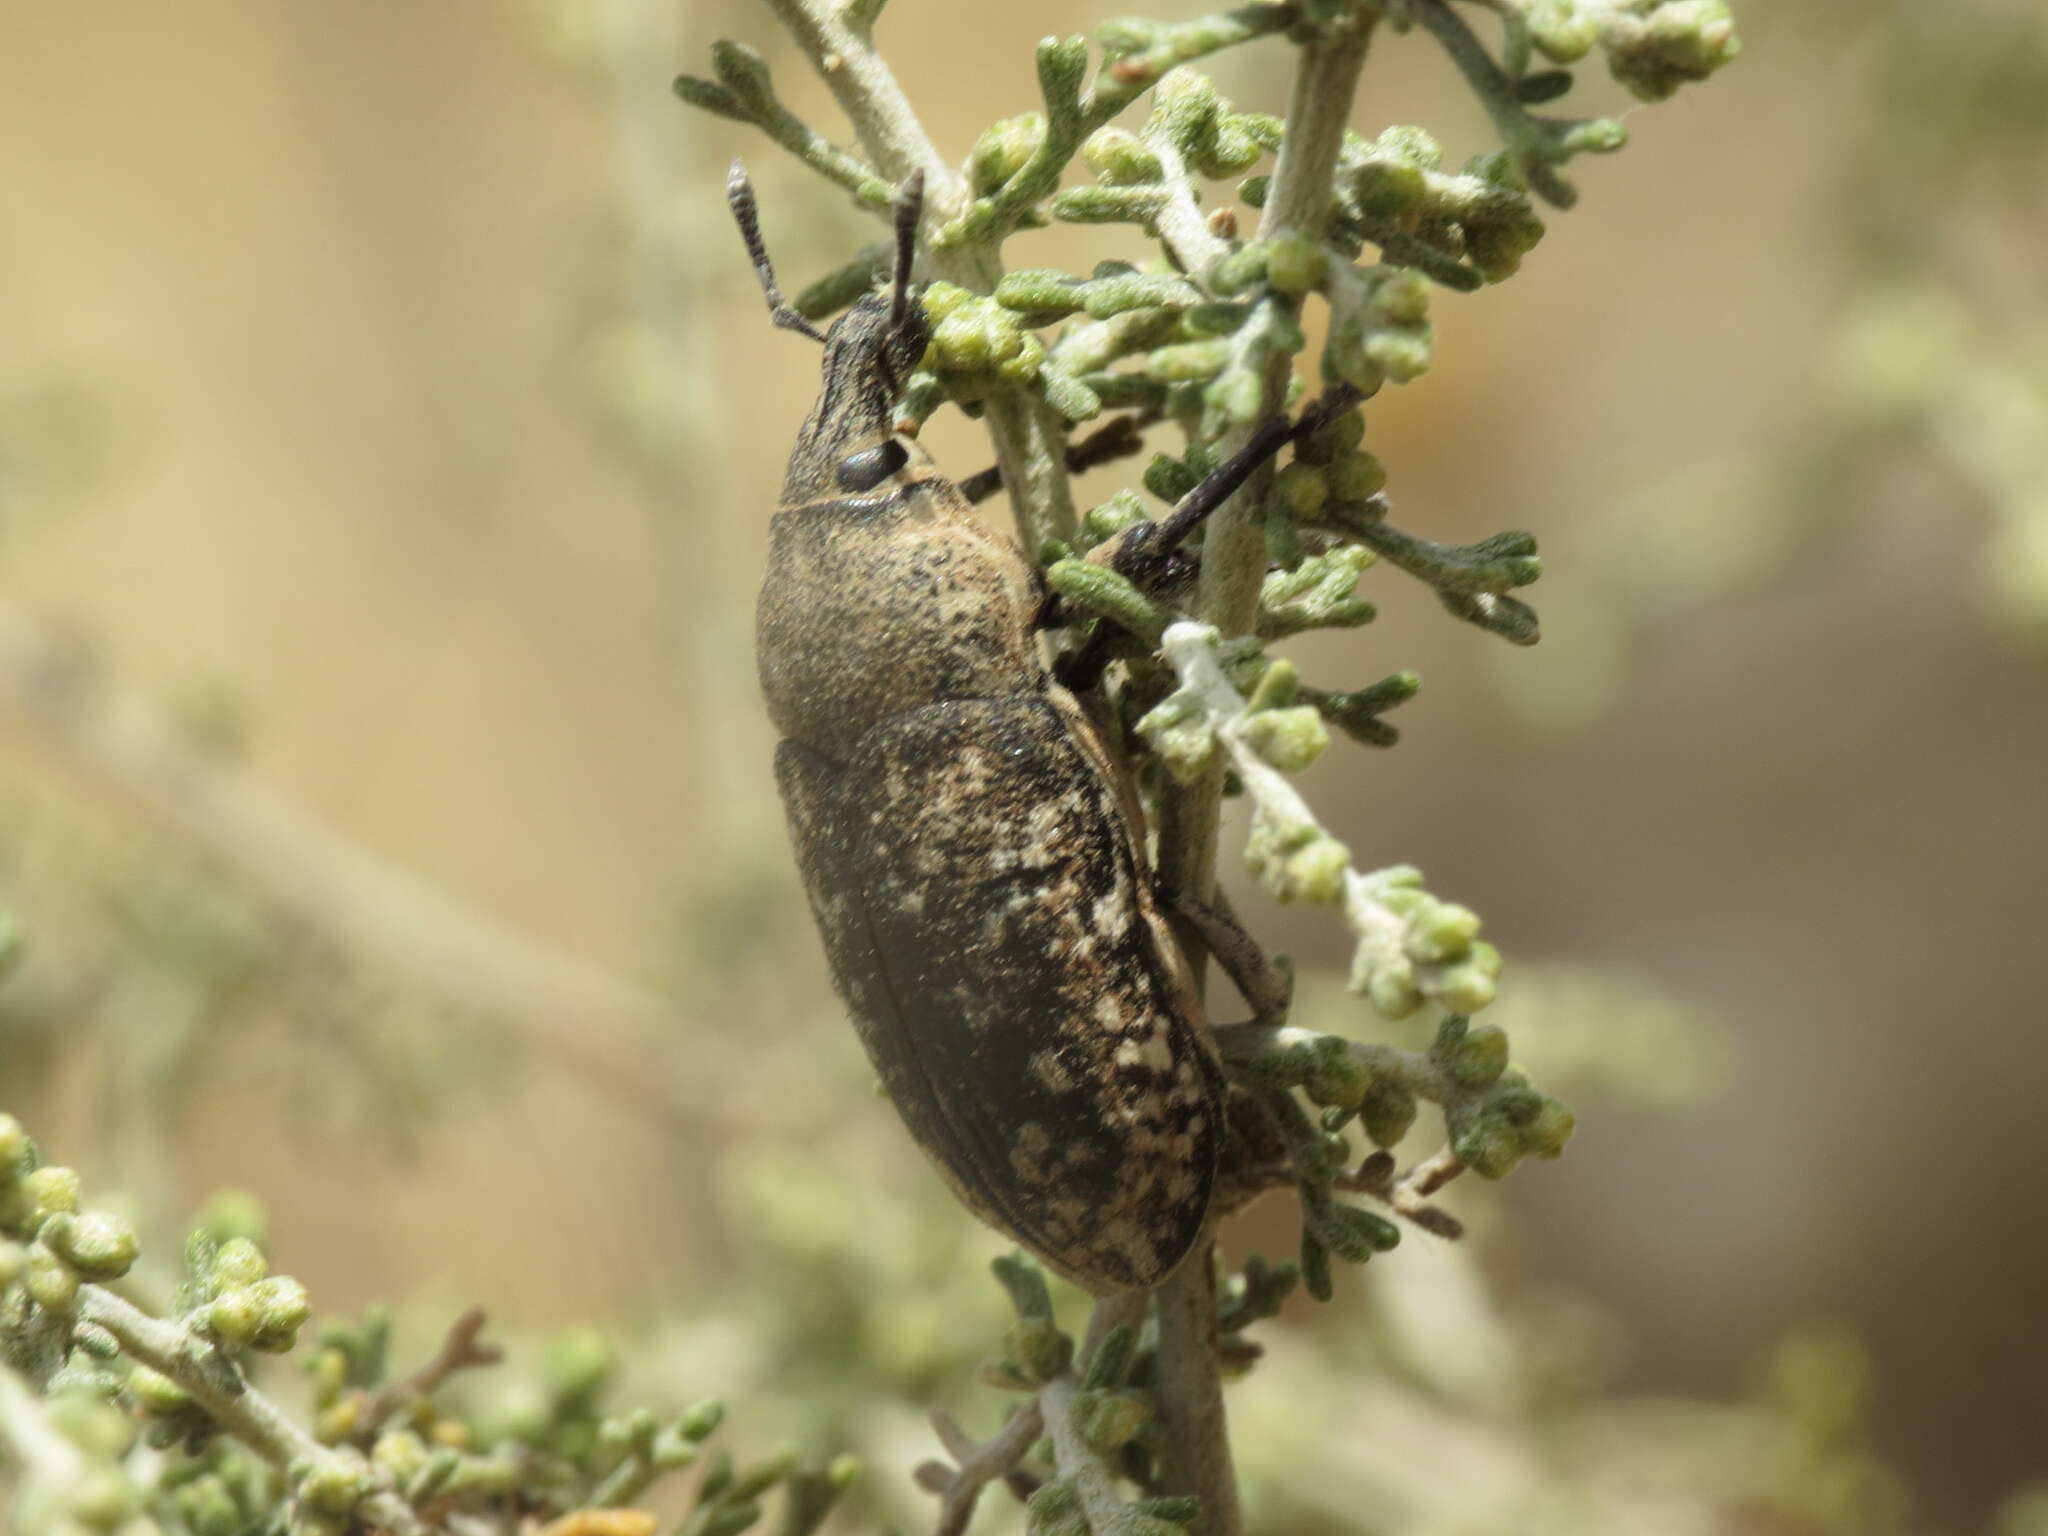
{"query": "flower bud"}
pixel 1037 1348
pixel 1003 149
pixel 13 1145
pixel 1295 264
pixel 1304 488
pixel 1109 1420
pixel 98 1245
pixel 53 1189
pixel 1121 158
pixel 52 1283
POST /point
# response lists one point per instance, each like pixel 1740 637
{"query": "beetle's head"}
pixel 849 443
pixel 881 337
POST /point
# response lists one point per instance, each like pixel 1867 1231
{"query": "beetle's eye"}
pixel 867 469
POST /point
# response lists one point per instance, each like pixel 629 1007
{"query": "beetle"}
pixel 968 842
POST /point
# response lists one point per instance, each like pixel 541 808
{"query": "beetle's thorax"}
pixel 889 601
pixel 890 596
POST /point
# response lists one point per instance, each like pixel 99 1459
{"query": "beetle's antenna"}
pixel 739 194
pixel 909 208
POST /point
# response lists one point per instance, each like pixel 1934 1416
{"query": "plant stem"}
pixel 1233 565
pixel 1030 439
pixel 248 1415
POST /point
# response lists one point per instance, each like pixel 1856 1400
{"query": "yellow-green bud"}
pixel 1289 739
pixel 1387 188
pixel 1109 1420
pixel 1182 734
pixel 1480 1057
pixel 1489 1148
pixel 399 1452
pixel 1003 150
pixel 1400 355
pixel 1188 360
pixel 340 1420
pixel 1037 1348
pixel 941 298
pixel 238 1262
pixel 1121 158
pixel 98 1245
pixel 1357 477
pixel 1239 270
pixel 282 1310
pixel 1562 30
pixel 1340 1079
pixel 1296 264
pixel 1440 932
pixel 1402 298
pixel 1390 988
pixel 13 1260
pixel 1304 487
pixel 1299 864
pixel 1022 361
pixel 13 1144
pixel 156 1393
pixel 1387 1114
pixel 1546 1134
pixel 335 1484
pixel 52 1283
pixel 1466 988
pixel 53 1189
pixel 964 340
pixel 1345 356
pixel 235 1315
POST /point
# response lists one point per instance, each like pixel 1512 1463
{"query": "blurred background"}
pixel 388 430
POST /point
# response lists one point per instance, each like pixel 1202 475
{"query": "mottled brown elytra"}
pixel 969 845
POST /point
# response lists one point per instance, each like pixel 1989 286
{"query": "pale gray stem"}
pixel 169 1348
pixel 1233 566
pixel 1079 1462
pixel 980 1465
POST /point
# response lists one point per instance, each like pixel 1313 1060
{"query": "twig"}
pixel 1198 1457
pixel 978 1464
pixel 319 883
pixel 459 1350
pixel 1117 438
pixel 1407 1194
pixel 248 1415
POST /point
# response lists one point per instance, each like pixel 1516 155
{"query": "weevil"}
pixel 968 842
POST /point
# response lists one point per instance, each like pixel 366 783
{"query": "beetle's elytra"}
pixel 967 842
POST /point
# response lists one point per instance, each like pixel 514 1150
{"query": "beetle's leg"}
pixel 1264 985
pixel 1082 668
pixel 1149 553
pixel 1141 553
pixel 1117 438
